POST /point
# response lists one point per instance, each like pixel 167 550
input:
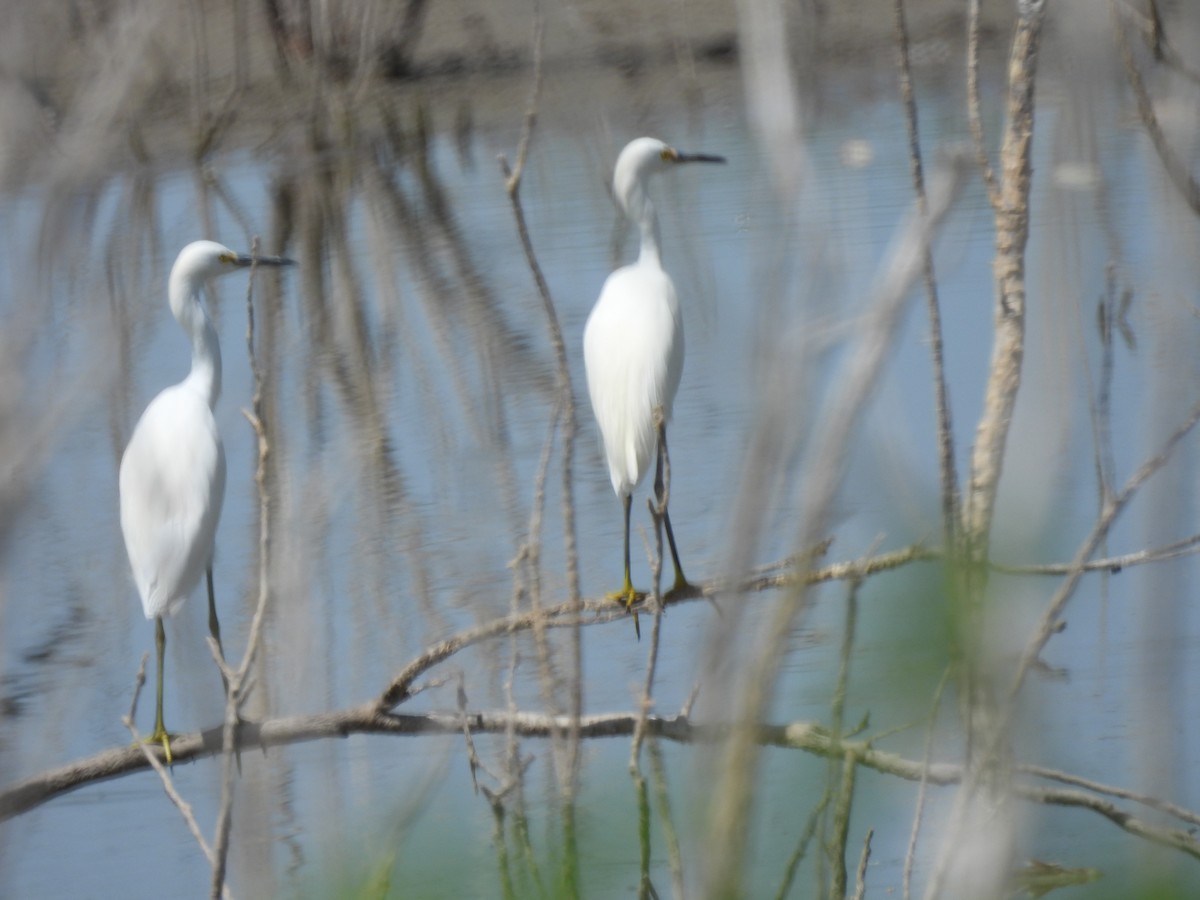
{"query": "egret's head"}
pixel 642 158
pixel 202 260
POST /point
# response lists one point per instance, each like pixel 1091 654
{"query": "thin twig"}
pixel 806 836
pixel 663 799
pixel 860 881
pixel 945 430
pixel 532 553
pixel 645 887
pixel 837 844
pixel 213 180
pixel 646 701
pixel 473 761
pixel 657 510
pixel 185 808
pixel 512 747
pixel 841 826
pixel 1048 624
pixel 910 855
pixel 1165 48
pixel 139 682
pixel 973 106
pixel 151 757
pixel 686 709
pixel 1187 186
pixel 1179 839
pixel 1111 564
pixel 501 842
pixel 838 703
pixel 1164 806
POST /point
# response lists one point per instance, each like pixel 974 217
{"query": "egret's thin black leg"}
pixel 630 593
pixel 627 502
pixel 214 627
pixel 681 581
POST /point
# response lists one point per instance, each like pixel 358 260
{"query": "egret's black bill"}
pixel 246 260
pixel 700 157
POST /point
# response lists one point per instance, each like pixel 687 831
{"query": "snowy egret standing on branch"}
pixel 633 345
pixel 172 479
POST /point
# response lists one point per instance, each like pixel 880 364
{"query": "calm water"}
pixel 412 381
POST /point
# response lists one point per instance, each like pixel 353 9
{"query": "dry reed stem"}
pixel 733 795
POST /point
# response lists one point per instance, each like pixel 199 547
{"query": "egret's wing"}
pixel 172 485
pixel 633 356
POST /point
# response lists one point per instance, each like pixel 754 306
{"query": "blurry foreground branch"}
pixel 806 737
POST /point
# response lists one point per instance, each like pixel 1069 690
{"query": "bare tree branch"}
pixel 807 737
pixel 1012 233
pixel 1171 809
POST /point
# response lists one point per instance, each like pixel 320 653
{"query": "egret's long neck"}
pixel 205 376
pixel 640 210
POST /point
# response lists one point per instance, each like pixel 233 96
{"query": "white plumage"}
pixel 172 486
pixel 633 342
pixel 632 371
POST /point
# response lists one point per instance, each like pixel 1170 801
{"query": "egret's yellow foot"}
pixel 160 736
pixel 629 596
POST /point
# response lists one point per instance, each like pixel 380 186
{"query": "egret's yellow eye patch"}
pixel 668 155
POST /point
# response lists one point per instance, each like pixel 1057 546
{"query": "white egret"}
pixel 172 479
pixel 633 345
